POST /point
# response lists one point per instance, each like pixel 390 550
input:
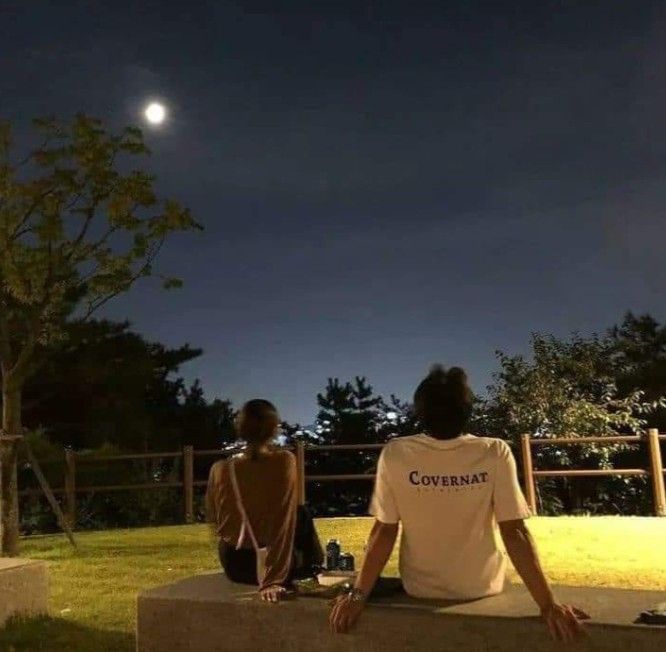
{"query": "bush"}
pixel 100 509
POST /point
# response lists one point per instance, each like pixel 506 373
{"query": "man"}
pixel 451 490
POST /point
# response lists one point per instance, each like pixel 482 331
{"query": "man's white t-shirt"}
pixel 449 496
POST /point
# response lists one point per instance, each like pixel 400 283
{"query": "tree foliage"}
pixel 581 386
pixel 349 412
pixel 566 387
pixel 397 419
pixel 105 384
pixel 79 224
pixel 638 353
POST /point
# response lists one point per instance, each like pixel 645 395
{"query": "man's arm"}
pixel 347 608
pixel 563 620
pixel 522 551
pixel 380 546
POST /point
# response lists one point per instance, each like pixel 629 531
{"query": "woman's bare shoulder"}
pixel 285 457
pixel 219 469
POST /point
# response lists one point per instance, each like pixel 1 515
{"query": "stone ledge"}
pixel 23 588
pixel 209 614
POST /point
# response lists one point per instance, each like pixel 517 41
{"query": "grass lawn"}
pixel 93 591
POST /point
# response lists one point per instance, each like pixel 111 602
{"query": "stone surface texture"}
pixel 209 614
pixel 23 588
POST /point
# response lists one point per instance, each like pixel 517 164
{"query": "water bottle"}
pixel 332 554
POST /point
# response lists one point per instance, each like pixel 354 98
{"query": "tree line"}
pixel 107 388
pixel 81 223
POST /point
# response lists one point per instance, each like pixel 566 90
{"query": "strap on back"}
pixel 246 526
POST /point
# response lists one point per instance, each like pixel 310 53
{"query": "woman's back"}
pixel 252 503
pixel 268 489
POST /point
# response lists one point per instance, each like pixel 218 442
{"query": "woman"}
pixel 265 538
pixel 448 489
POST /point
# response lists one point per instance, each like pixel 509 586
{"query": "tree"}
pixel 205 425
pixel 397 419
pixel 349 413
pixel 105 384
pixel 78 227
pixel 638 351
pixel 567 387
pixel 294 433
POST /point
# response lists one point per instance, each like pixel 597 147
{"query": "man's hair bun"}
pixel 457 375
pixel 438 371
pixel 443 402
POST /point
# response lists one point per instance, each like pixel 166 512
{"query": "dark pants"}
pixel 240 566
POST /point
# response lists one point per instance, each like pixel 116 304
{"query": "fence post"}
pixel 528 473
pixel 300 464
pixel 70 487
pixel 657 472
pixel 188 483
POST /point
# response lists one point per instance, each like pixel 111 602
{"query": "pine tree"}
pixel 349 413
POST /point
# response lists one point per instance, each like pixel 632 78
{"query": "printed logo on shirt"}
pixel 465 482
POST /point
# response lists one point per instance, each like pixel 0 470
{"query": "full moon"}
pixel 155 113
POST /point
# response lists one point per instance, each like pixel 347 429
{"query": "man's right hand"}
pixel 564 621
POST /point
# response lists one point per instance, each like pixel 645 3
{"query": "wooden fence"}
pixel 655 470
pixel 188 482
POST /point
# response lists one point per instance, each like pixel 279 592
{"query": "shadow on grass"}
pixel 60 635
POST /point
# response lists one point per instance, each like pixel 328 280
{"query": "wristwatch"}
pixel 354 594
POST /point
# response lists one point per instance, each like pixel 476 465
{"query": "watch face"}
pixel 356 595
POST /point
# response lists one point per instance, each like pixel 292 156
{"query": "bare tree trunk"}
pixel 11 426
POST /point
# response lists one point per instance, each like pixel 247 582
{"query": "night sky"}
pixel 383 184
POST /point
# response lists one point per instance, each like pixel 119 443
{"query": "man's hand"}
pixel 345 613
pixel 273 593
pixel 348 607
pixel 563 621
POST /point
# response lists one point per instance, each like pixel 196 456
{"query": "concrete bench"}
pixel 23 588
pixel 207 613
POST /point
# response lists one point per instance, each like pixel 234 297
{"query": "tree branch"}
pixel 19 370
pixel 90 214
pixel 27 229
pixel 5 342
pixel 96 200
pixel 45 143
pixel 74 201
pixel 28 214
pixel 96 305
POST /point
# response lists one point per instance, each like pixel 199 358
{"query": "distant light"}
pixel 155 113
pixel 391 416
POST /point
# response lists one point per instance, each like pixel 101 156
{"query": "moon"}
pixel 155 113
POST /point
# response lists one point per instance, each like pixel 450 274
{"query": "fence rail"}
pixel 655 471
pixel 546 441
pixel 187 483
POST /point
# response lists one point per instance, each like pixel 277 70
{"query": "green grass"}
pixel 93 591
